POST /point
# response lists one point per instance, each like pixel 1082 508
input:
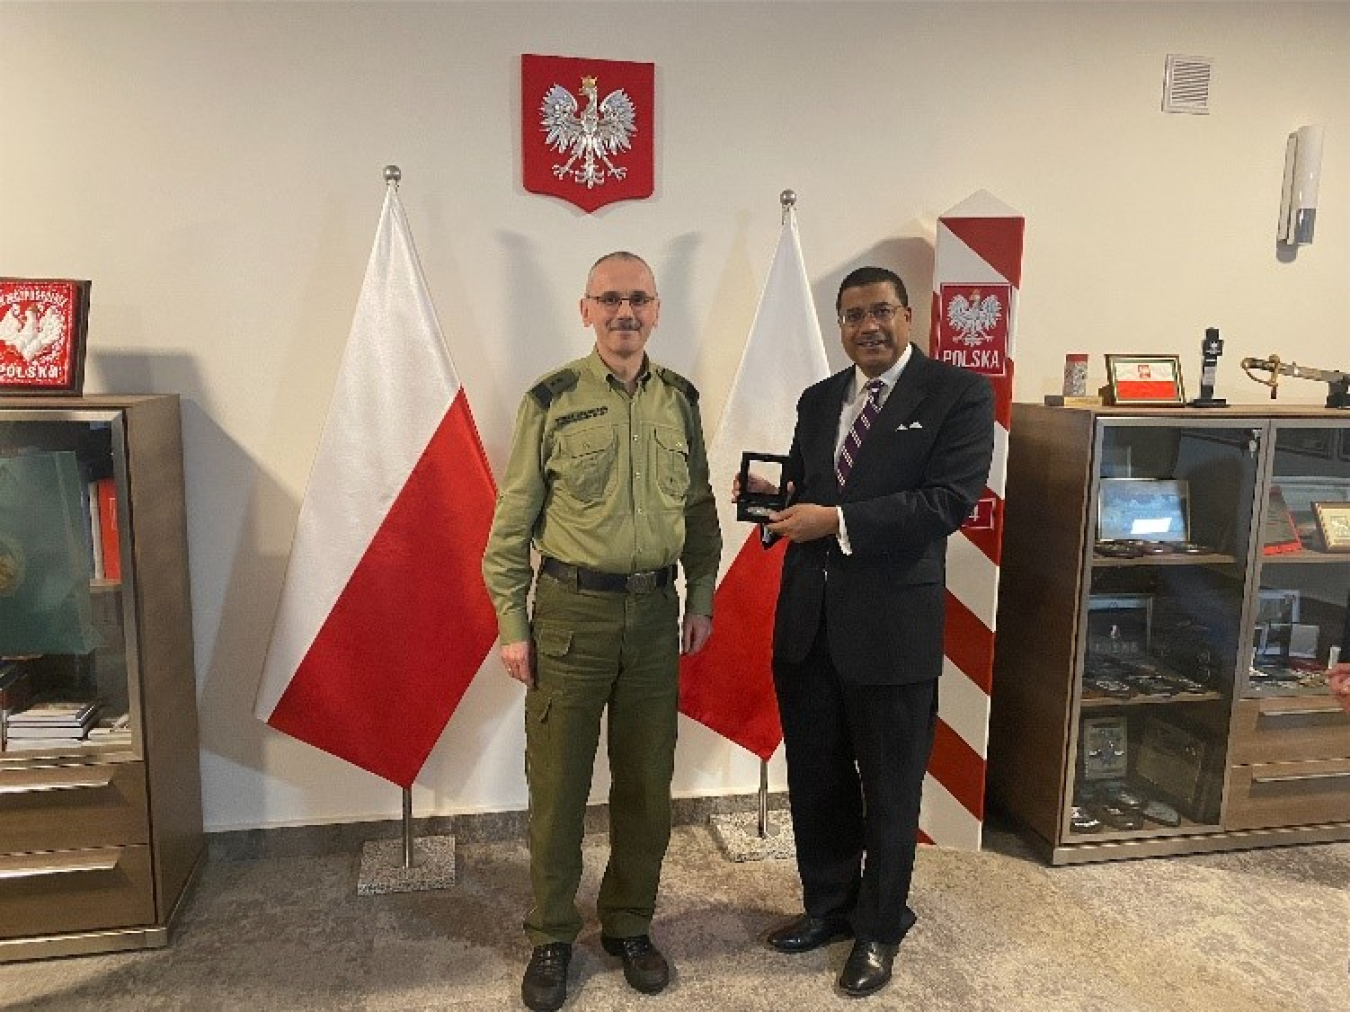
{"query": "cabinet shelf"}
pixel 1170 559
pixel 1306 557
pixel 1110 702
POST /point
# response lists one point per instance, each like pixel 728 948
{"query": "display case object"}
pixel 100 796
pixel 1173 593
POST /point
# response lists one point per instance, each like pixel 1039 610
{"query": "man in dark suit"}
pixel 857 646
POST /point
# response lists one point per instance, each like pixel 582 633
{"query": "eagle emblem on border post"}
pixel 587 149
pixel 972 329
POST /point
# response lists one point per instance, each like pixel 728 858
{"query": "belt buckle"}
pixel 642 583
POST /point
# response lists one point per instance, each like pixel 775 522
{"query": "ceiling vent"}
pixel 1186 84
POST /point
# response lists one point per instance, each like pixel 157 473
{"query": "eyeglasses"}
pixel 613 300
pixel 882 312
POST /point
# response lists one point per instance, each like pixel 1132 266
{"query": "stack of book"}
pixel 14 693
pixel 111 731
pixel 49 723
pixel 13 687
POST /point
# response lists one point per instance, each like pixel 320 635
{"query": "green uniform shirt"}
pixel 605 480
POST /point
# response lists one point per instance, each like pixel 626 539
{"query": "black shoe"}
pixel 807 933
pixel 867 969
pixel 644 967
pixel 544 988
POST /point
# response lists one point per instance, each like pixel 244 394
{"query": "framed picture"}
pixel 1277 605
pixel 1119 625
pixel 1145 379
pixel 1175 758
pixel 43 322
pixel 1143 509
pixel 1307 442
pixel 1281 533
pixel 1105 747
pixel 1333 523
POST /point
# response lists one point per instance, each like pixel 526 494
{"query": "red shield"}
pixel 587 131
pixel 972 327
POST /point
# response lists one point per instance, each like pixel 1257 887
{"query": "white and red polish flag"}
pixel 728 685
pixel 383 619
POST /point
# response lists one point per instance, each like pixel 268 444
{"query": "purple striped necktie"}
pixel 848 453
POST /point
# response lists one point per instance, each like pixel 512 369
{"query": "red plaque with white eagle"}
pixel 587 132
pixel 42 331
pixel 972 331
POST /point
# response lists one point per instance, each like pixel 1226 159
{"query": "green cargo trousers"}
pixel 595 650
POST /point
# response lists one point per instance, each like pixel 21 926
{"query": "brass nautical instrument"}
pixel 1338 395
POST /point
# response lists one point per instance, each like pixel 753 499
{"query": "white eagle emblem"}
pixel 32 332
pixel 974 318
pixel 599 131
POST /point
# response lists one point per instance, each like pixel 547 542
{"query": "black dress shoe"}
pixel 807 933
pixel 644 967
pixel 867 969
pixel 544 988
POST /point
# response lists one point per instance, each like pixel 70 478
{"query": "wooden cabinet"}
pixel 100 811
pixel 1169 606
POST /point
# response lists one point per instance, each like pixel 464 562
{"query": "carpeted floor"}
pixel 1260 930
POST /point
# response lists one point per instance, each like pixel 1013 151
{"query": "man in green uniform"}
pixel 608 481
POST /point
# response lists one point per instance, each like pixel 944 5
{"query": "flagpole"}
pixel 763 799
pixel 432 865
pixel 730 690
pixel 788 201
pixel 392 175
pixel 407 828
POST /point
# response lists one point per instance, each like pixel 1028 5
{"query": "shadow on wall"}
pixel 231 507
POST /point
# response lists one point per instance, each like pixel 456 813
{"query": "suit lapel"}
pixel 825 425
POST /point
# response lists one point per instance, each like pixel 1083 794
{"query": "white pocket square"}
pixel 902 427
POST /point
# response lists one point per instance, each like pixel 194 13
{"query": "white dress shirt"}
pixel 852 407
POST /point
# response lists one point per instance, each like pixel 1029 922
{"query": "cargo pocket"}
pixel 672 464
pixel 552 640
pixel 587 463
pixel 537 704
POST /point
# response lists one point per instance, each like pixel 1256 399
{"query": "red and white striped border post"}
pixel 976 277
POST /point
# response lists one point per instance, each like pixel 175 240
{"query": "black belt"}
pixel 614 583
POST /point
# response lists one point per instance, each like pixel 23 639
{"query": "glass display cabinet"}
pixel 1171 598
pixel 100 808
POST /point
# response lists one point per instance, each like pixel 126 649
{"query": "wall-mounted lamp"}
pixel 1298 200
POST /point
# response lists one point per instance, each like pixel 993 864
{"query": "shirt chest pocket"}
pixel 586 462
pixel 672 463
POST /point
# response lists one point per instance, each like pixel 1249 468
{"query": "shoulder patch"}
pixel 678 382
pixel 551 386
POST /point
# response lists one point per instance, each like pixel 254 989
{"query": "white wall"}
pixel 216 170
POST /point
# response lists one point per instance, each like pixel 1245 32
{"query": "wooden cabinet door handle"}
pixel 95 779
pixel 34 866
pixel 1322 711
pixel 1291 777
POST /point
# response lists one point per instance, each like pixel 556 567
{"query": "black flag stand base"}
pixel 406 865
pixel 753 836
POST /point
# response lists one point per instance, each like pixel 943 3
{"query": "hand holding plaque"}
pixel 757 497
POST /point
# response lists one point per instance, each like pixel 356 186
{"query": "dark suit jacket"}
pixel 917 476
